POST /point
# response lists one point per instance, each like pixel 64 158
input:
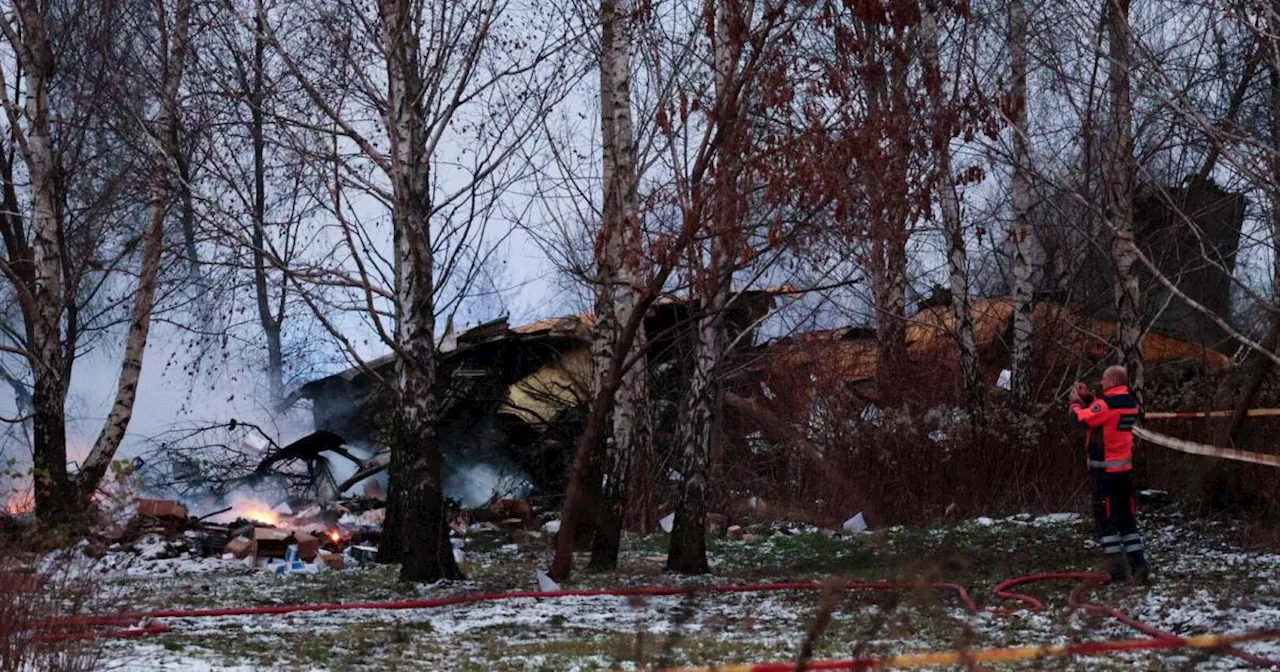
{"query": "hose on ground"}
pixel 63 629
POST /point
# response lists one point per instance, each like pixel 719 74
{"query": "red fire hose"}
pixel 56 629
pixel 1077 599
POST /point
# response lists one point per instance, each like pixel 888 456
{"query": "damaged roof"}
pixel 1064 335
pixel 570 331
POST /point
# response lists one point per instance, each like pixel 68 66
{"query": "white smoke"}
pixel 475 484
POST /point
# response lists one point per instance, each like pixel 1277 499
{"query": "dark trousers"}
pixel 1115 511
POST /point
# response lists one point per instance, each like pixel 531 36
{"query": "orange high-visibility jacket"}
pixel 1108 422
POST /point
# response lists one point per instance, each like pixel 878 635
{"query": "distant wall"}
pixel 1177 228
pixel 1165 231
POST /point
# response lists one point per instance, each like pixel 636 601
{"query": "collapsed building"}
pixel 1068 344
pixel 512 399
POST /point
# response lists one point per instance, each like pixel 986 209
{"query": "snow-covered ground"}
pixel 1205 584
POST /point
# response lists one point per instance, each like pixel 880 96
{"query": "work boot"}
pixel 1117 568
pixel 1141 570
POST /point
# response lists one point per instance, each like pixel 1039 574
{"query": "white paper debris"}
pixel 668 522
pixel 551 527
pixel 1005 381
pixel 545 583
pixel 856 524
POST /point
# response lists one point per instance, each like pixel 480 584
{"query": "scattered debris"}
pixel 238 548
pixel 545 583
pixel 1154 496
pixel 363 554
pixel 161 508
pixel 855 524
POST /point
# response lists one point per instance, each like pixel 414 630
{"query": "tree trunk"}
pixel 270 323
pixel 891 313
pixel 1120 197
pixel 687 553
pixel 949 201
pixel 182 162
pixel 619 253
pixel 1023 241
pixel 626 448
pixel 887 98
pixel 423 533
pixel 52 487
pixel 596 427
pixel 174 43
pixel 699 409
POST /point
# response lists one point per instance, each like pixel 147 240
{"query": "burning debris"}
pixel 293 536
pixel 308 538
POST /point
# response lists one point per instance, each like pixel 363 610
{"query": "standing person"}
pixel 1108 421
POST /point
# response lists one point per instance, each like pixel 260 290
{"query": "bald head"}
pixel 1115 376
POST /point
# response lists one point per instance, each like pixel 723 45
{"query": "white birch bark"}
pixel 419 533
pixel 1020 187
pixel 174 43
pixel 1120 195
pixel 30 40
pixel 687 553
pixel 619 264
pixel 949 203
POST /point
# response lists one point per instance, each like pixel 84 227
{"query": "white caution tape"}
pixel 1252 413
pixel 1194 448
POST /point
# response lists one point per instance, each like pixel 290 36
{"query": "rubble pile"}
pixel 294 537
pixel 307 537
pixel 317 537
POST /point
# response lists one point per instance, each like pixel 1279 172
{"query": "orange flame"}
pixel 335 536
pixel 256 511
pixel 19 503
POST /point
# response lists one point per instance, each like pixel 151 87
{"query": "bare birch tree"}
pixel 620 265
pixel 45 283
pixel 1020 192
pixel 694 130
pixel 687 553
pixel 949 201
pixel 174 38
pixel 1120 175
pixel 413 77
